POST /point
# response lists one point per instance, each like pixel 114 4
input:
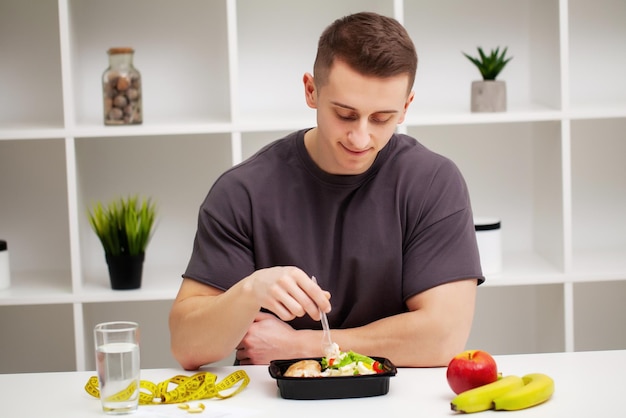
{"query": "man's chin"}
pixel 355 168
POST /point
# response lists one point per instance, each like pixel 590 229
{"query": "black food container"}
pixel 331 387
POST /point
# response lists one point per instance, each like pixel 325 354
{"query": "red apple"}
pixel 470 369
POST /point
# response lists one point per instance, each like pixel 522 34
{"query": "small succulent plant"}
pixel 490 65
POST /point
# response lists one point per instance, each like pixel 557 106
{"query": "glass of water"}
pixel 117 364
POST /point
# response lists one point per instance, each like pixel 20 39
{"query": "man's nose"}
pixel 359 136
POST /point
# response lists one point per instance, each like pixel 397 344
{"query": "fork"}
pixel 327 342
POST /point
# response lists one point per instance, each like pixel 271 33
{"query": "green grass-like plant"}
pixel 490 65
pixel 125 225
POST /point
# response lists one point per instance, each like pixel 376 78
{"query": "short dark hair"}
pixel 371 44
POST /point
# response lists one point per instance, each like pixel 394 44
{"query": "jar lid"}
pixel 486 224
pixel 120 50
pixel 3 245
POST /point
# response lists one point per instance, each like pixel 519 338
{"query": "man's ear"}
pixel 406 106
pixel 310 93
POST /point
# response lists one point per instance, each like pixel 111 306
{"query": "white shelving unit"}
pixel 222 78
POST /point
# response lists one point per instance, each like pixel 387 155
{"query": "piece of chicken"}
pixel 304 368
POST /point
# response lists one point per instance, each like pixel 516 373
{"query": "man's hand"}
pixel 288 292
pixel 268 338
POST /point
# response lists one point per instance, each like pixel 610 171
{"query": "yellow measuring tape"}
pixel 187 388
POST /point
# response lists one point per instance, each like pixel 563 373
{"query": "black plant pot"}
pixel 125 271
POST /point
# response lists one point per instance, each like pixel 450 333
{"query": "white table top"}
pixel 587 384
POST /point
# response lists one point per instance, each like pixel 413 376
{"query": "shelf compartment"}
pixel 513 172
pixel 38 288
pixel 34 221
pixel 269 79
pixel 597 36
pixel 181 53
pixel 530 30
pixel 525 268
pixel 175 171
pixel 31 88
pixel 598 197
pixel 152 319
pixel 599 313
pixel 36 339
pixel 157 284
pixel 519 319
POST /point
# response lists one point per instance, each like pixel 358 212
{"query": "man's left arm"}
pixel 435 329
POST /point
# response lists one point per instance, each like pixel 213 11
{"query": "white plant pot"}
pixel 488 96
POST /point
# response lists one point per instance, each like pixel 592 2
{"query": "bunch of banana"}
pixel 508 393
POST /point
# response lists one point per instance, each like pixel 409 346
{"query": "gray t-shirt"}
pixel 373 240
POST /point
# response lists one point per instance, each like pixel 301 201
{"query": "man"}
pixel 384 225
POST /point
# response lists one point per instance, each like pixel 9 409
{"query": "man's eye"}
pixel 346 117
pixel 381 120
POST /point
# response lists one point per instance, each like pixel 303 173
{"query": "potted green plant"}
pixel 489 94
pixel 124 226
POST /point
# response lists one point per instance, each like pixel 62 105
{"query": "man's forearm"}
pixel 207 328
pixel 436 328
pixel 404 339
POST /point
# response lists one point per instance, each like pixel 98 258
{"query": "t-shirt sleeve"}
pixel 222 254
pixel 441 245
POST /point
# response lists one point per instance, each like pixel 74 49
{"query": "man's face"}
pixel 356 116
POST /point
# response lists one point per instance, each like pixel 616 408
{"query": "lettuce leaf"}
pixel 348 358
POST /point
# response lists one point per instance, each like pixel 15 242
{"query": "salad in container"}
pixel 336 376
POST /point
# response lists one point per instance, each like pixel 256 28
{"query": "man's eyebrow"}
pixel 345 106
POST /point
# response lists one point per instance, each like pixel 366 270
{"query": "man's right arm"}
pixel 206 324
